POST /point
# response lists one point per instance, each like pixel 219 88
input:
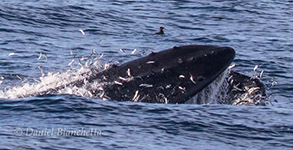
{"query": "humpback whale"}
pixel 177 75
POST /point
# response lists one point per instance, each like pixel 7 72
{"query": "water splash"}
pixel 45 83
pixel 51 83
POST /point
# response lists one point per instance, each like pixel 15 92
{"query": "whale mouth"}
pixel 226 89
pixel 214 93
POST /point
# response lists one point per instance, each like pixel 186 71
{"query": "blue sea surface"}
pixel 39 37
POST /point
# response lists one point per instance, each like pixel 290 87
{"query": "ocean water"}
pixel 38 38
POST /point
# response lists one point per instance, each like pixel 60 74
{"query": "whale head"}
pixel 169 76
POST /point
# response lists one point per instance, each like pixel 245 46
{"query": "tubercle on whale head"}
pixel 176 48
pixel 152 53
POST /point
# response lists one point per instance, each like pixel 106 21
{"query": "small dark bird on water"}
pixel 161 30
